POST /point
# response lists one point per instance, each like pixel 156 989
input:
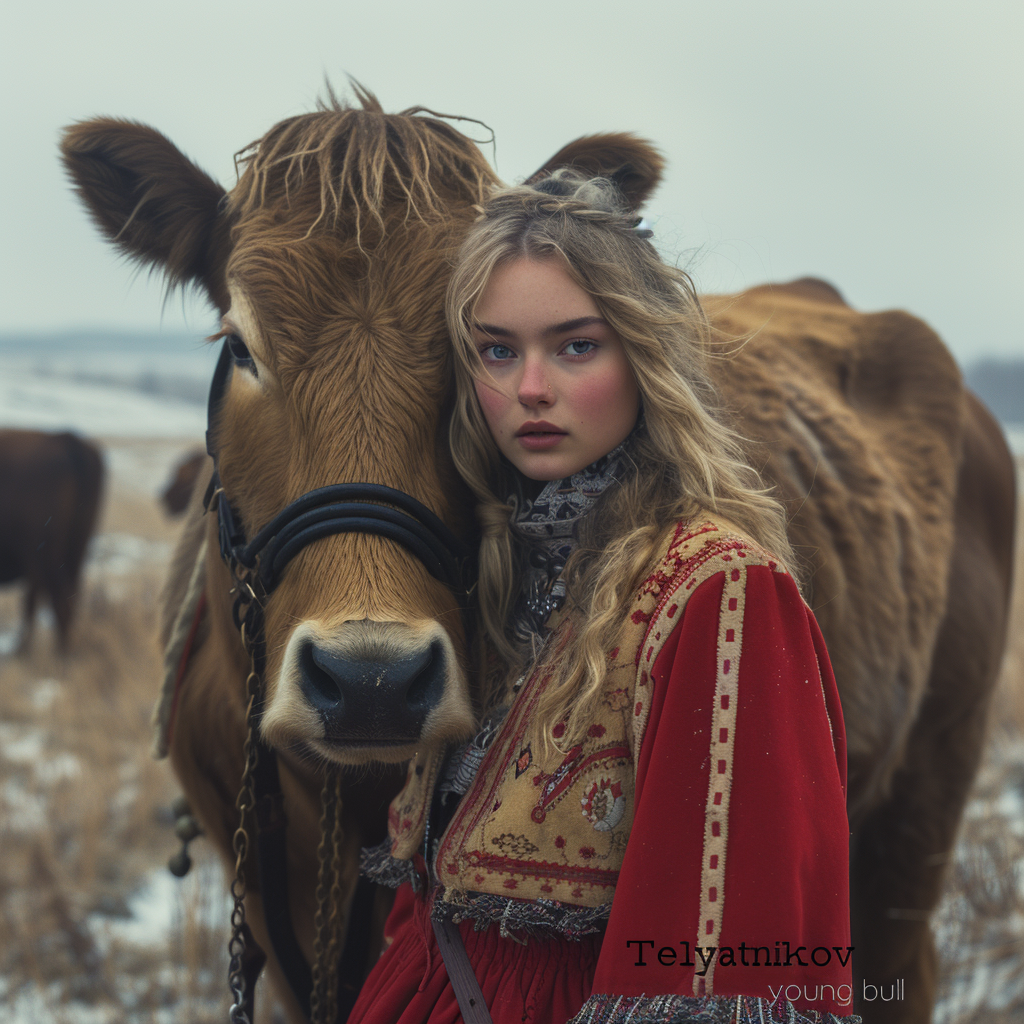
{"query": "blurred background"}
pixel 876 145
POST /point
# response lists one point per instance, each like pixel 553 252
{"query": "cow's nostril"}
pixel 317 679
pixel 427 687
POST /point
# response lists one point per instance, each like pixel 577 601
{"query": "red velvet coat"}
pixel 714 884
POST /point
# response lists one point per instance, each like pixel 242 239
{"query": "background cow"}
pixel 50 488
pixel 175 496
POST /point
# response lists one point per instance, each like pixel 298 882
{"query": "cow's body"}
pixel 901 494
pixel 50 488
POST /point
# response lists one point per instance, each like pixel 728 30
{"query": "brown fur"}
pixel 901 497
pixel 898 483
pixel 50 489
pixel 631 162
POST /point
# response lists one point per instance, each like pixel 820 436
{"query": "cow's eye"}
pixel 240 354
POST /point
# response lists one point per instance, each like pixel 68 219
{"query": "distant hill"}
pixel 98 340
pixel 172 366
pixel 999 383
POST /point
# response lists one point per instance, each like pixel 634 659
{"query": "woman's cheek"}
pixel 609 394
pixel 492 404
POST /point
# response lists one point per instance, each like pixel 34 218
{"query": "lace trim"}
pixel 601 1009
pixel 463 763
pixel 516 919
pixel 522 919
pixel 377 864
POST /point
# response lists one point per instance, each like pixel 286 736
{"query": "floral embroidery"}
pixel 518 845
pixel 617 699
pixel 604 805
pixel 578 851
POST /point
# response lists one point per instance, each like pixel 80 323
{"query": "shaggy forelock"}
pixel 364 163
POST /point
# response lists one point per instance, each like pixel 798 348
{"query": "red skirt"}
pixel 541 981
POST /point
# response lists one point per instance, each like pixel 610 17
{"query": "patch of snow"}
pixel 991 977
pixel 44 693
pixel 23 749
pixel 119 554
pixel 107 392
pixel 9 639
pixel 58 767
pixel 145 467
pixel 41 403
pixel 25 811
pixel 34 1005
pixel 152 910
pixel 159 906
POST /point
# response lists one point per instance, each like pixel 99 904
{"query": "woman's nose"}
pixel 534 386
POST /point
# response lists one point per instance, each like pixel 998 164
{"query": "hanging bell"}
pixel 186 828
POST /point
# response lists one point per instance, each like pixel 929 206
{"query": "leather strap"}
pixel 272 854
pixel 273 869
pixel 460 973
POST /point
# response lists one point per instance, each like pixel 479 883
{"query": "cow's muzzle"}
pixel 377 697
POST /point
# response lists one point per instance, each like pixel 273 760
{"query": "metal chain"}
pixel 333 952
pixel 323 999
pixel 245 805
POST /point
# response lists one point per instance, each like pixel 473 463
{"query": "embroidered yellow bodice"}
pixel 554 825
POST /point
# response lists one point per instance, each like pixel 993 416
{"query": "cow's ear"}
pixel 149 199
pixel 631 162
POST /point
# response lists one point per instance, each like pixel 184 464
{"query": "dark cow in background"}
pixel 175 496
pixel 50 488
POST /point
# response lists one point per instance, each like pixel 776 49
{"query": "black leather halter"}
pixel 256 567
pixel 338 508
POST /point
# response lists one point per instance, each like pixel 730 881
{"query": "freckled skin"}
pixel 576 380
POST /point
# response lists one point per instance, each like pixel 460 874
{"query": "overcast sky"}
pixel 876 144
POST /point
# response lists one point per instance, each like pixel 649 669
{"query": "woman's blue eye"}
pixel 498 352
pixel 579 347
pixel 240 354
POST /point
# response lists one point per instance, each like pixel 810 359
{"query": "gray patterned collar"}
pixel 547 528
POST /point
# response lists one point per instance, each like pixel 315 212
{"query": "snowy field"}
pixel 93 929
pixel 107 390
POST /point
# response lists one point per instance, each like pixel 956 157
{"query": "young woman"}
pixel 651 824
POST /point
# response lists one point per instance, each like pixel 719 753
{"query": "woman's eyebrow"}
pixel 575 325
pixel 492 331
pixel 566 325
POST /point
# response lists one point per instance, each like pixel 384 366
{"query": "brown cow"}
pixel 902 500
pixel 339 372
pixel 328 262
pixel 50 487
pixel 175 496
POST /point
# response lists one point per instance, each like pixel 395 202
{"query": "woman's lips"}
pixel 539 435
pixel 538 441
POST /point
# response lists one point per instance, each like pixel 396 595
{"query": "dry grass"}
pixel 85 826
pixel 981 923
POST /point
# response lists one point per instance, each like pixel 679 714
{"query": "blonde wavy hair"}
pixel 683 459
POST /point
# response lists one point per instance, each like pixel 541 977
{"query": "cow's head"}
pixel 328 263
